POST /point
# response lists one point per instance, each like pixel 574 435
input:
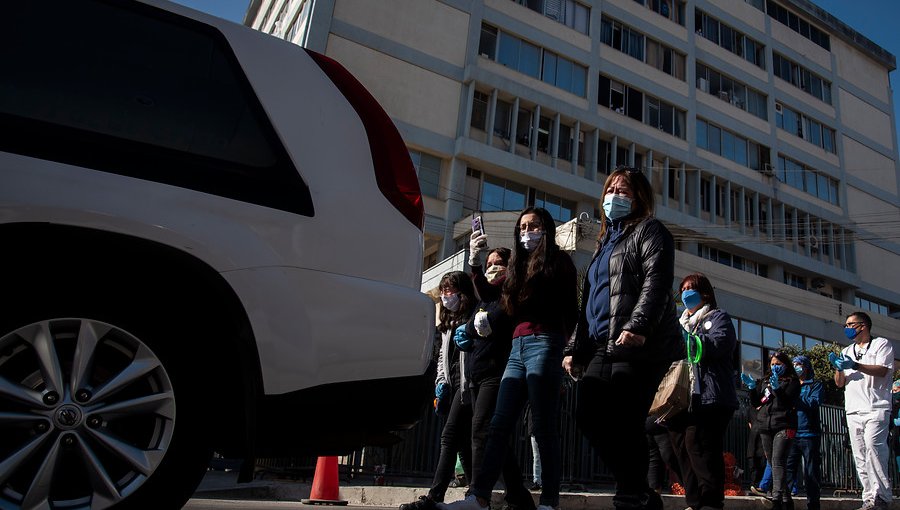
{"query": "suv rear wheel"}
pixel 90 419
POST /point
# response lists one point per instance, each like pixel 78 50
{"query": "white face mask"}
pixel 530 240
pixel 495 273
pixel 450 302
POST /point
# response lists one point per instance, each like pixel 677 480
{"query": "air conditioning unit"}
pixel 813 242
pixel 704 84
pixel 778 108
pixel 767 170
pixel 723 95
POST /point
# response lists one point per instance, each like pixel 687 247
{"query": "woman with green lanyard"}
pixel 697 435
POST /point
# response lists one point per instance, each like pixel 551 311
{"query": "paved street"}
pixel 224 504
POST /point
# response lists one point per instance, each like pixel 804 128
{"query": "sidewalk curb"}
pixel 394 496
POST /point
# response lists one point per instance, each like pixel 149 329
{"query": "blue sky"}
pixel 876 19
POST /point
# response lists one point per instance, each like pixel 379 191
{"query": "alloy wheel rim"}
pixel 87 411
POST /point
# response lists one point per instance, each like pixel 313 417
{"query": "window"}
pixel 731 91
pixel 479 110
pixel 568 12
pixel 871 305
pixel 643 108
pixel 730 38
pixel 503 119
pixel 428 168
pixel 534 61
pixel 487 44
pixel 560 209
pixel 794 22
pixel 563 73
pixel 731 146
pixel 502 195
pixel 629 41
pixel 669 9
pixel 795 280
pixel 704 195
pixel 815 183
pixel 801 78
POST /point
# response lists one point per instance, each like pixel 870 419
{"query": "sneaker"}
pixel 547 507
pixel 881 504
pixel 867 505
pixel 470 503
pixel 423 503
pixel 535 486
pixel 757 491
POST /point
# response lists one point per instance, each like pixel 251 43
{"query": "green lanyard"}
pixel 693 353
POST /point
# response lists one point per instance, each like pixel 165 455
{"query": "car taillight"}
pixel 394 171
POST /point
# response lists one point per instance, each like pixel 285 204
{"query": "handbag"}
pixel 674 393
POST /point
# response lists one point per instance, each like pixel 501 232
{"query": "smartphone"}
pixel 477 225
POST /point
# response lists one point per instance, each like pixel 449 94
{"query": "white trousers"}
pixel 869 440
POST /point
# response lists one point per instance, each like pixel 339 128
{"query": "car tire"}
pixel 100 404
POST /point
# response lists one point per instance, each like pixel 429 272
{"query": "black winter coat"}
pixel 641 273
pixel 779 411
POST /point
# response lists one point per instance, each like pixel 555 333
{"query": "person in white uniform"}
pixel 864 370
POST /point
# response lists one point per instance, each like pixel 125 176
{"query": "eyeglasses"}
pixel 627 169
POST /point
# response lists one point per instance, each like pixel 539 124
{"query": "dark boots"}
pixel 648 500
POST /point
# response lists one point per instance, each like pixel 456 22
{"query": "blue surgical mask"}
pixel 616 206
pixel 851 333
pixel 530 240
pixel 691 298
pixel 799 370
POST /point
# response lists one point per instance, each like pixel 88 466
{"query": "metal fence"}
pixel 415 457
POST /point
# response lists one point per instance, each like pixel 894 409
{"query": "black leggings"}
pixel 484 400
pixel 455 438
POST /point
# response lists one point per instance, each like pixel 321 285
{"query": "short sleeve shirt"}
pixel 865 392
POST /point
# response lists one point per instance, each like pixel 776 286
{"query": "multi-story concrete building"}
pixel 766 128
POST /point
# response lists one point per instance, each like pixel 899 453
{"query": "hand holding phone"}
pixel 477 225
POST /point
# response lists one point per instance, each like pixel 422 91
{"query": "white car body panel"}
pixel 333 297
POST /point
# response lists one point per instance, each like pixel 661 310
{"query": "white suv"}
pixel 211 241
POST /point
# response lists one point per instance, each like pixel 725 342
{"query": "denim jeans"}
pixel 533 373
pixel 806 448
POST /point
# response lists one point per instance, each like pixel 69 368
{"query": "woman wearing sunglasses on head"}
pixel 627 334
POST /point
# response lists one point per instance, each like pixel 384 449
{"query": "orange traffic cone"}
pixel 325 490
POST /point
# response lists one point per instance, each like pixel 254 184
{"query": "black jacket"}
pixel 489 354
pixel 641 273
pixel 779 411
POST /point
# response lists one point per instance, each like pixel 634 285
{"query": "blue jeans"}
pixel 808 449
pixel 533 373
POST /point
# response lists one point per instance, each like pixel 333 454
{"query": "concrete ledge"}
pixel 222 486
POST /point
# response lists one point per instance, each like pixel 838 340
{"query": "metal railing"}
pixel 415 457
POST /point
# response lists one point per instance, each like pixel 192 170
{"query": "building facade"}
pixel 766 128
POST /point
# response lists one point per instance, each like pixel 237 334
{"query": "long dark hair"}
pixel 524 265
pixel 466 288
pixel 788 366
pixel 642 200
pixel 701 284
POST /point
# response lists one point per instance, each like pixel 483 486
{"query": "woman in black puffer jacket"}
pixel 776 396
pixel 627 333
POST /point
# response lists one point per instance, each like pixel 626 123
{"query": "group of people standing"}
pixel 514 327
